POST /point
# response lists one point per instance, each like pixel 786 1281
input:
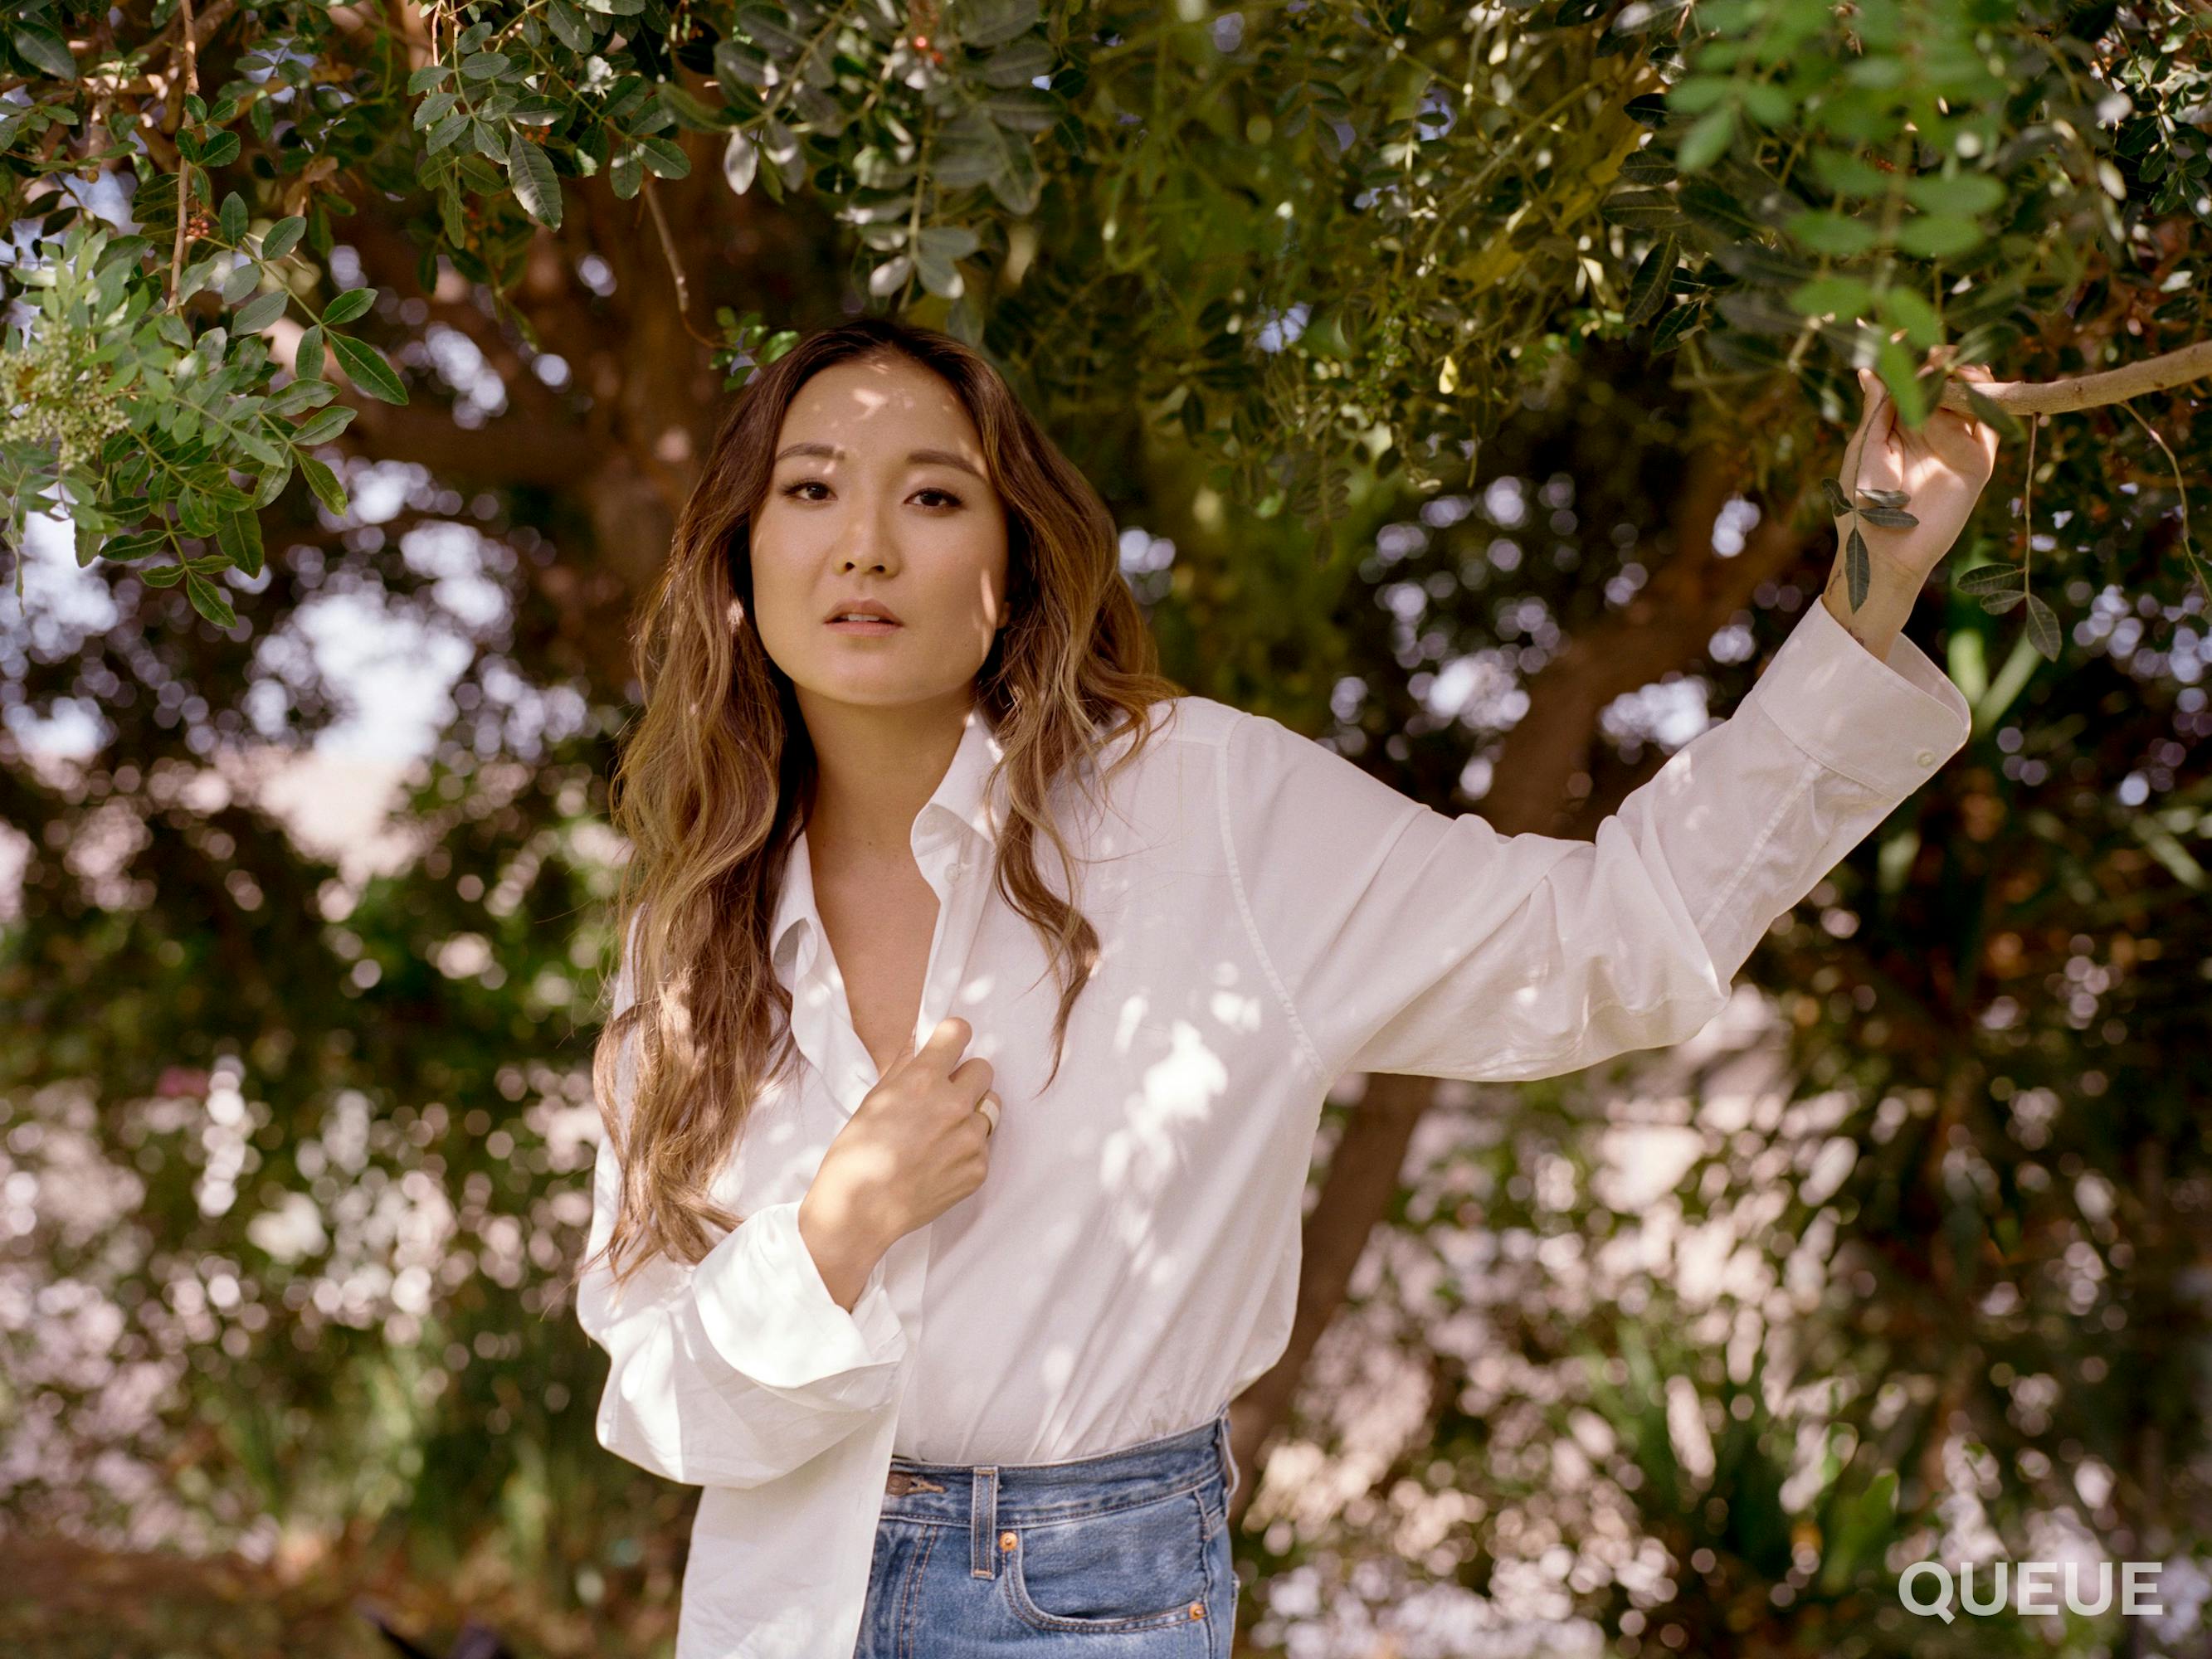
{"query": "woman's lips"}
pixel 872 625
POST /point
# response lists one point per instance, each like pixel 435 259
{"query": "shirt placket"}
pixel 822 1025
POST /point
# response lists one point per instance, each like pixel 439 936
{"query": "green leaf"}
pixel 1846 298
pixel 1017 65
pixel 238 535
pixel 321 428
pixel 1698 93
pixel 1888 518
pixel 993 23
pixel 1883 497
pixel 627 172
pixel 1994 414
pixel 1641 14
pixel 1676 326
pixel 222 149
pixel 1996 578
pixel 307 360
pixel 296 397
pixel 232 219
pixel 324 482
pixel 366 366
pixel 259 313
pixel 1848 174
pixel 42 48
pixel 272 482
pixel 1938 237
pixel 484 65
pixel 209 600
pixel 443 134
pixel 1769 104
pixel 1642 209
pixel 1023 109
pixel 1961 196
pixel 666 160
pixel 1708 140
pixel 434 108
pixel 1894 364
pixel 1840 505
pixel 530 171
pixel 136 545
pixel 245 277
pixel 949 241
pixel 1997 603
pixel 1020 186
pixel 571 27
pixel 162 575
pixel 283 236
pixel 352 303
pixel 2043 627
pixel 770 26
pixel 938 274
pixel 1827 232
pixel 427 77
pixel 1903 309
pixel 1647 290
pixel 196 513
pixel 1857 569
pixel 740 162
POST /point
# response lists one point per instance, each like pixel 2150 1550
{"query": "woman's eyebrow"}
pixel 831 451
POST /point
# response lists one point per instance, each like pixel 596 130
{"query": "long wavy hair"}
pixel 716 775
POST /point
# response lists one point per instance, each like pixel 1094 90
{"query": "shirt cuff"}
pixel 1886 724
pixel 768 1312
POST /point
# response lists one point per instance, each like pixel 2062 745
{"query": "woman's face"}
pixel 878 493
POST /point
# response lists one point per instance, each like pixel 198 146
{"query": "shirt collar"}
pixel 959 804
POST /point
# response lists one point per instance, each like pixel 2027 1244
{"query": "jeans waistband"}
pixel 988 1495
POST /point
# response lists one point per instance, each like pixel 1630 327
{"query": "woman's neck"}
pixel 876 769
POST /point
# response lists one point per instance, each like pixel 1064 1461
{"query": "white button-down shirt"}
pixel 1270 916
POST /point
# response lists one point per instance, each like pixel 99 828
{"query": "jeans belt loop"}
pixel 983 1524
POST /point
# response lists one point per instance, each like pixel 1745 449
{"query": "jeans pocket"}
pixel 1138 1568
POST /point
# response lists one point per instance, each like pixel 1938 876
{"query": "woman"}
pixel 949 1192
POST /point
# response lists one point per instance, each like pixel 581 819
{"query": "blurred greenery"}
pixel 1487 360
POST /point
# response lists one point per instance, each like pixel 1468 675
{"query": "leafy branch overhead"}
pixel 1357 238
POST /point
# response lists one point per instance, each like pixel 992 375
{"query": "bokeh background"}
pixel 1358 318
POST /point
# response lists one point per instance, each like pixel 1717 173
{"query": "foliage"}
pixel 1878 179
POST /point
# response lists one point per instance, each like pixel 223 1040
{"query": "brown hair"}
pixel 716 775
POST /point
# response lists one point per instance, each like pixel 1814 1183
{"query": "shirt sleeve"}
pixel 1397 939
pixel 741 1368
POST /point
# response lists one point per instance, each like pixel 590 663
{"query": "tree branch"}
pixel 2111 385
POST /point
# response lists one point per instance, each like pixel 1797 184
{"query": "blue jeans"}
pixel 1124 1555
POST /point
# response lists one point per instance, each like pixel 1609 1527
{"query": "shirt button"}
pixel 1925 757
pixel 1197 1610
pixel 1007 1541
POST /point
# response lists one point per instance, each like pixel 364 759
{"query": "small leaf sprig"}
pixel 2000 585
pixel 1885 507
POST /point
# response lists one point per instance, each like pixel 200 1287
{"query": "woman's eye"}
pixel 937 499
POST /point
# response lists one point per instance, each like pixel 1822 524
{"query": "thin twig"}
pixel 2028 503
pixel 675 264
pixel 2181 493
pixel 183 167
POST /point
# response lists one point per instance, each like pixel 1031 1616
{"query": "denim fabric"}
pixel 1125 1555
